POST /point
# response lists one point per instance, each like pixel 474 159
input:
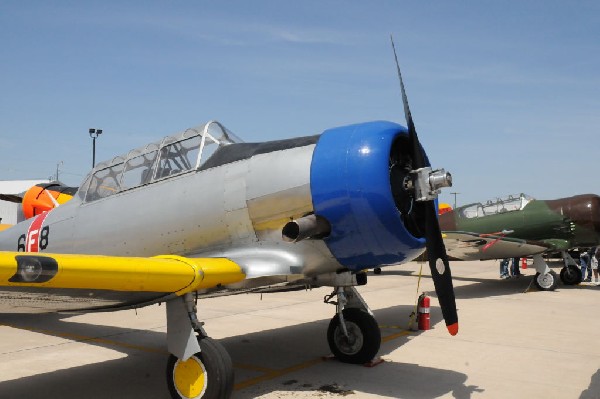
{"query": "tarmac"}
pixel 514 342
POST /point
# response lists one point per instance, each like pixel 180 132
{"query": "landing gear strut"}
pixel 353 334
pixel 198 367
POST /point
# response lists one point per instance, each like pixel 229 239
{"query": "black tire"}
pixel 208 374
pixel 570 275
pixel 377 270
pixel 364 334
pixel 546 282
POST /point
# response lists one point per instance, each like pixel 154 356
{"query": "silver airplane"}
pixel 203 213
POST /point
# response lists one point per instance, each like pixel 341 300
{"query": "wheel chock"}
pixel 374 362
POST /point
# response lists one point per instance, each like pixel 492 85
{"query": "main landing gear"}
pixel 570 273
pixel 545 279
pixel 198 367
pixel 353 334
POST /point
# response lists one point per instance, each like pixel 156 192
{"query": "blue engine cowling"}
pixel 351 187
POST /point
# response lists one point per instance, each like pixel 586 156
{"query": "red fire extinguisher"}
pixel 423 313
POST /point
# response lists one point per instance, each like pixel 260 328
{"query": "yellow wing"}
pixel 166 274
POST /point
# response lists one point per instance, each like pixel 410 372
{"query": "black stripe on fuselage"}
pixel 240 151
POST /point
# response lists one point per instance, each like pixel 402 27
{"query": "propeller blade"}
pixel 440 267
pixel 436 250
pixel 416 152
pixel 16 198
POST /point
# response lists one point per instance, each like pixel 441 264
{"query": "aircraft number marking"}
pixel 21 243
pixel 37 237
pixel 44 237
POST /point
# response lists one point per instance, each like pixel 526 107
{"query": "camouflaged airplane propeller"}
pixel 425 184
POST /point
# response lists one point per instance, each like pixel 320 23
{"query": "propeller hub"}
pixel 439 179
pixel 428 183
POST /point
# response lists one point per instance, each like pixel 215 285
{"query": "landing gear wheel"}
pixel 363 341
pixel 570 275
pixel 546 282
pixel 208 374
pixel 377 270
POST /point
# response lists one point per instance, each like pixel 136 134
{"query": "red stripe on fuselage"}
pixel 32 241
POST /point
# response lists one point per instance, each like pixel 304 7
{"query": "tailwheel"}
pixel 207 374
pixel 570 275
pixel 546 282
pixel 363 340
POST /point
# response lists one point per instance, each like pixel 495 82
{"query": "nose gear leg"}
pixel 353 334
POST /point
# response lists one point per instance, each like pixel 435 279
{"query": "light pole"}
pixel 58 166
pixel 455 194
pixel 94 133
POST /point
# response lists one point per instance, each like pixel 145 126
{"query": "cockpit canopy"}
pixel 174 155
pixel 499 205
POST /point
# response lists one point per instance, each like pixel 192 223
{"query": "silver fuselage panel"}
pixel 234 210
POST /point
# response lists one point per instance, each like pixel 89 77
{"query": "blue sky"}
pixel 504 94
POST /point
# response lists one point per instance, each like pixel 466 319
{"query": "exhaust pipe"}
pixel 311 226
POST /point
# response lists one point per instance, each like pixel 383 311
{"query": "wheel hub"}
pixel 351 344
pixel 545 280
pixel 189 378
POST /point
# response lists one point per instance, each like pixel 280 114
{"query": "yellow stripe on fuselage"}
pixel 170 274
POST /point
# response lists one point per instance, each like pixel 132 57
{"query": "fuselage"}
pixel 233 202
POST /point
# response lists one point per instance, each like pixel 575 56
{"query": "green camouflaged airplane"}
pixel 520 226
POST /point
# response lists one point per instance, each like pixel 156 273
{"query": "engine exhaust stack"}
pixel 311 226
